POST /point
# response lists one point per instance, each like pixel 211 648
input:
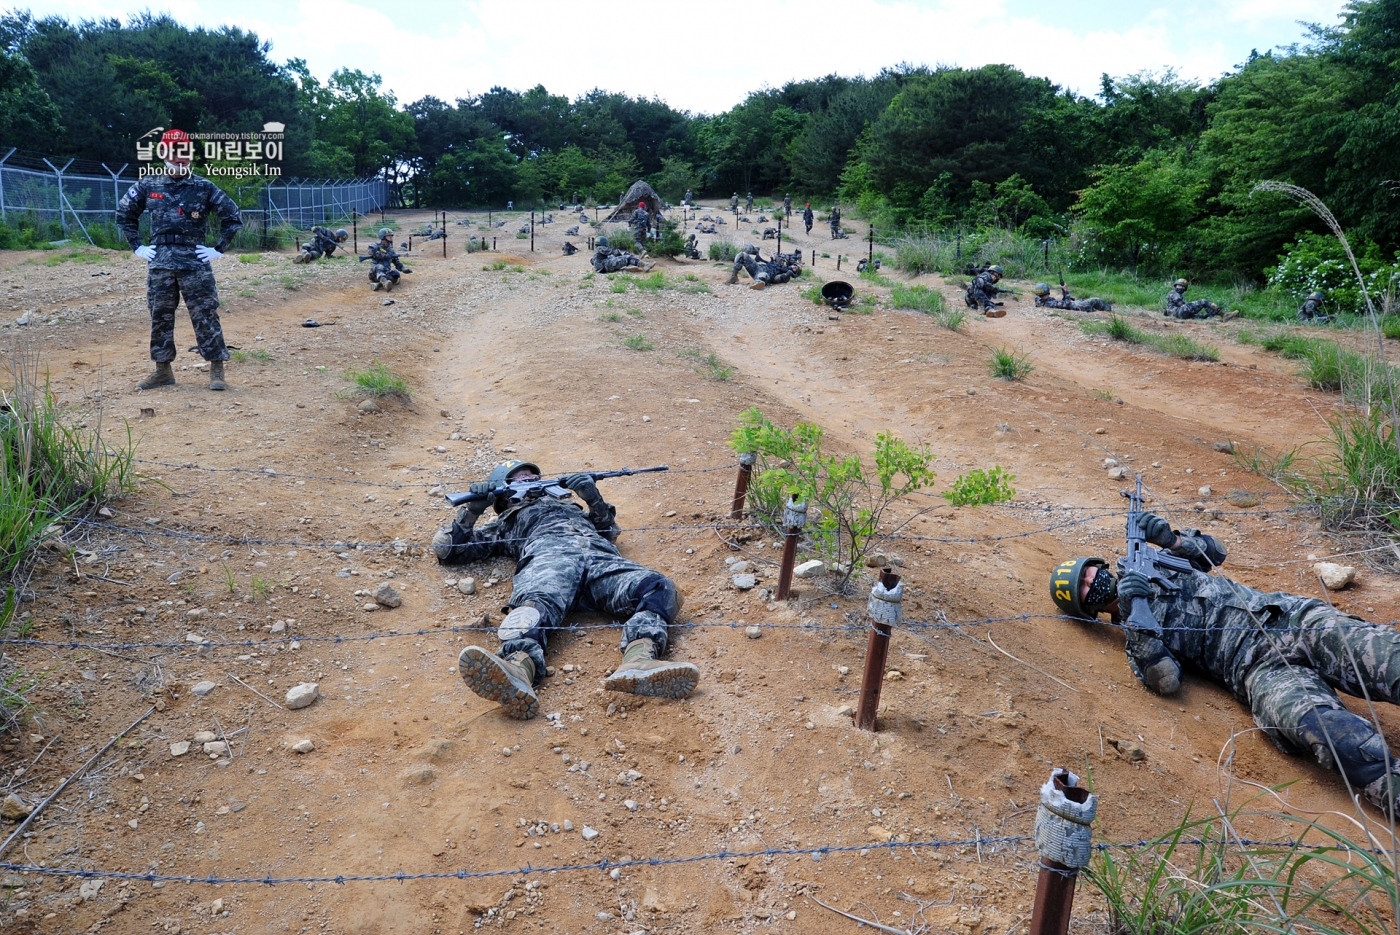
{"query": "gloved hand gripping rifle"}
pixel 553 487
pixel 1146 561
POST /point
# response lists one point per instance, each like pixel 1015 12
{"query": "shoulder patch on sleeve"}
pixel 132 192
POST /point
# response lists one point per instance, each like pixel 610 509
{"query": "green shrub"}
pixel 638 342
pixel 622 239
pixel 717 370
pixel 670 243
pixel 845 503
pixel 1010 365
pixel 723 250
pixel 1179 345
pixel 979 488
pixel 1390 327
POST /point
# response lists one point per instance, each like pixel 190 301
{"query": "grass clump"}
pixel 1010 364
pixel 257 354
pixel 1179 345
pixel 378 381
pixel 717 370
pixel 610 316
pixel 723 250
pixel 979 488
pixel 638 342
pixel 920 298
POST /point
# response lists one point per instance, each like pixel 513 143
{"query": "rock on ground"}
pixel 1334 576
pixel 203 688
pixel 809 569
pixel 299 696
pixel 13 808
pixel 386 596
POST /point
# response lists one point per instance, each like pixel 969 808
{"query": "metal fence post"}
pixel 794 519
pixel 747 459
pixel 2 182
pixel 886 610
pixel 1063 837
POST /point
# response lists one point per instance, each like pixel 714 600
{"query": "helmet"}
pixel 500 476
pixel 385 234
pixel 998 271
pixel 1041 288
pixel 1064 585
pixel 342 235
pixel 1180 282
pixel 1317 297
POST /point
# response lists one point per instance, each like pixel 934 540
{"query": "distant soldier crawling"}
pixel 608 259
pixel 1283 655
pixel 322 243
pixel 569 249
pixel 572 231
pixel 640 222
pixel 384 264
pixel 565 559
pixel 808 217
pixel 835 219
pixel 1311 310
pixel 177 259
pixel 439 234
pixel 983 290
pixel 770 233
pixel 763 272
pixel 1178 307
pixel 1067 301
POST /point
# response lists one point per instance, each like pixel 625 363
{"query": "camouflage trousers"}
pixel 581 574
pixel 1091 305
pixel 1306 665
pixel 1197 309
pixel 163 290
pixel 976 298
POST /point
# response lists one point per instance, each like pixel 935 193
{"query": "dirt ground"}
pixel 268 512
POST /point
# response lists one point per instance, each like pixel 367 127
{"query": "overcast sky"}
pixel 705 55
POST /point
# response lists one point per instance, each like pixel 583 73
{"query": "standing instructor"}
pixel 179 203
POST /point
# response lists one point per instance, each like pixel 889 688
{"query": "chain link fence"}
pixel 81 205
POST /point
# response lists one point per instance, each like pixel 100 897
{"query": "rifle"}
pixel 1146 561
pixel 1064 292
pixel 533 489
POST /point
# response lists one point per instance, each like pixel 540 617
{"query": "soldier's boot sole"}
pixel 655 678
pixel 490 677
pixel 374 285
pixel 163 375
pixel 759 285
pixel 996 313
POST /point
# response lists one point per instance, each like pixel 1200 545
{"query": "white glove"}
pixel 206 253
pixel 146 253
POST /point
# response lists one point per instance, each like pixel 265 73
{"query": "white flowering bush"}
pixel 1317 263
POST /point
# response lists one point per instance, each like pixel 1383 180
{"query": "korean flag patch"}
pixel 131 192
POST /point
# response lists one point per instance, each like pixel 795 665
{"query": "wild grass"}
pixel 1010 364
pixel 378 381
pixel 257 354
pixel 1173 344
pixel 723 250
pixel 622 239
pixel 920 298
pixel 717 370
pixel 638 342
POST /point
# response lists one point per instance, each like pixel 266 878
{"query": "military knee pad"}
pixel 659 594
pixel 1346 742
pixel 519 622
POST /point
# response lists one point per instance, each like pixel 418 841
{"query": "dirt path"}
pixel 520 354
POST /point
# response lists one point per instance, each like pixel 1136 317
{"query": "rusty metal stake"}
pixel 355 228
pixel 794 519
pixel 1062 830
pixel 886 610
pixel 741 483
pixel 532 232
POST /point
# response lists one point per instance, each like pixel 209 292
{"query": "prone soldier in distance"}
pixel 565 559
pixel 608 259
pixel 1283 655
pixel 322 243
pixel 1178 307
pixel 1067 301
pixel 1311 310
pixel 983 291
pixel 177 259
pixel 763 272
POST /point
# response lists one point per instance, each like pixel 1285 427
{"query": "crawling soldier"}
pixel 322 243
pixel 565 559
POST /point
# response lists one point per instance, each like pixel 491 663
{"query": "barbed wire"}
pixel 818 852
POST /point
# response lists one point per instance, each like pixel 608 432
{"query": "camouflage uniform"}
pixel 1283 655
pixel 982 291
pixel 776 270
pixel 1178 307
pixel 787 206
pixel 808 218
pixel 179 207
pixel 836 224
pixel 748 202
pixel 612 259
pixel 569 249
pixel 322 243
pixel 640 222
pixel 1070 303
pixel 1311 310
pixel 565 560
pixel 384 263
pixel 734 203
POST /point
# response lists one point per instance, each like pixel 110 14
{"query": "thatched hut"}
pixel 640 193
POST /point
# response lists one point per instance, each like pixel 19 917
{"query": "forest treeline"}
pixel 1151 172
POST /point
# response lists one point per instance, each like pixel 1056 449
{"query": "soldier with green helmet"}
pixel 1283 655
pixel 384 264
pixel 982 292
pixel 322 243
pixel 565 559
pixel 1178 307
pixel 1067 301
pixel 1311 310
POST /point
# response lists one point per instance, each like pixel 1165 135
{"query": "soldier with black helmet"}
pixel 1284 655
pixel 565 559
pixel 322 243
pixel 384 264
pixel 1311 310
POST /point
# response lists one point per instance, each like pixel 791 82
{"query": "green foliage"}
pixel 622 239
pixel 1139 215
pixel 1317 263
pixel 638 342
pixel 1177 344
pixel 921 298
pixel 670 243
pixel 1173 344
pixel 54 464
pixel 377 381
pixel 1010 364
pixel 256 354
pixel 717 370
pixel 723 250
pixel 28 117
pixel 845 502
pixel 979 488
